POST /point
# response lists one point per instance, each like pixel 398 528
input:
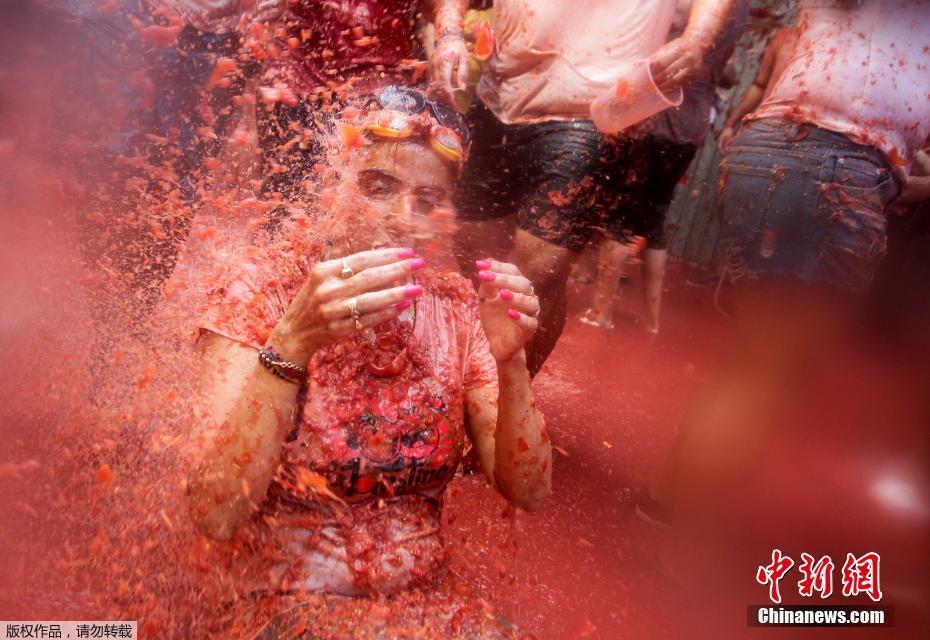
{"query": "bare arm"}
pixel 245 411
pixel 754 93
pixel 917 189
pixel 760 84
pixel 676 62
pixel 448 65
pixel 243 415
pixel 449 15
pixel 747 104
pixel 706 19
pixel 506 428
pixel 509 435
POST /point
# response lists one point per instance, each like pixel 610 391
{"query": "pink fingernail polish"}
pixel 506 294
pixel 487 276
pixel 483 265
pixel 405 253
pixel 514 314
pixel 413 291
pixel 403 304
pixel 417 263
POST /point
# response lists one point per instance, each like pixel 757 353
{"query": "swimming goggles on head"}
pixel 401 117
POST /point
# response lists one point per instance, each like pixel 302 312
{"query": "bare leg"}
pixel 611 256
pixel 547 266
pixel 584 271
pixel 653 278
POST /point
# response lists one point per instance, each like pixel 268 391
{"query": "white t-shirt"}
pixel 553 58
pixel 863 72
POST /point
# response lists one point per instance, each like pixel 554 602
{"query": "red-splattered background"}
pixel 825 452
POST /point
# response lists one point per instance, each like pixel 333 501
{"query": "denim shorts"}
pixel 803 201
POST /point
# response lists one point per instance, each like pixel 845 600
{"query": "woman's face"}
pixel 402 189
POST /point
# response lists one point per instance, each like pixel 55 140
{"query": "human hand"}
pixel 725 137
pixel 345 295
pixel 677 62
pixel 448 66
pixel 268 10
pixel 509 308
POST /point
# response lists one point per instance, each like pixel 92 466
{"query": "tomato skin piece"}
pixel 484 41
pixel 159 36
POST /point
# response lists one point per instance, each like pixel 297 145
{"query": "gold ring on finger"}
pixel 346 272
pixel 353 310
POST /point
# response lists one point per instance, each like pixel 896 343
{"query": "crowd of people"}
pixel 347 367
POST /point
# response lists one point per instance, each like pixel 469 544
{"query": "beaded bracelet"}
pixel 283 369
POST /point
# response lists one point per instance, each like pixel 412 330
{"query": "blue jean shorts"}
pixel 802 201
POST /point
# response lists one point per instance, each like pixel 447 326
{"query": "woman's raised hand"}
pixel 509 307
pixel 345 295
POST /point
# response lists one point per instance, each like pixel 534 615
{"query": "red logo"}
pixel 818 576
pixel 858 575
pixel 772 574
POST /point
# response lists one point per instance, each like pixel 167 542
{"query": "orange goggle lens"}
pixel 392 124
pixel 447 143
pixel 396 125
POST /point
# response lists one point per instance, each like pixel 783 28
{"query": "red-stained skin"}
pixel 381 205
pixel 111 442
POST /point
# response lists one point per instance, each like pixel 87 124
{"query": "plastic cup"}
pixel 634 98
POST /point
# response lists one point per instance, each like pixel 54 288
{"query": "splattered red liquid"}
pixel 97 396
